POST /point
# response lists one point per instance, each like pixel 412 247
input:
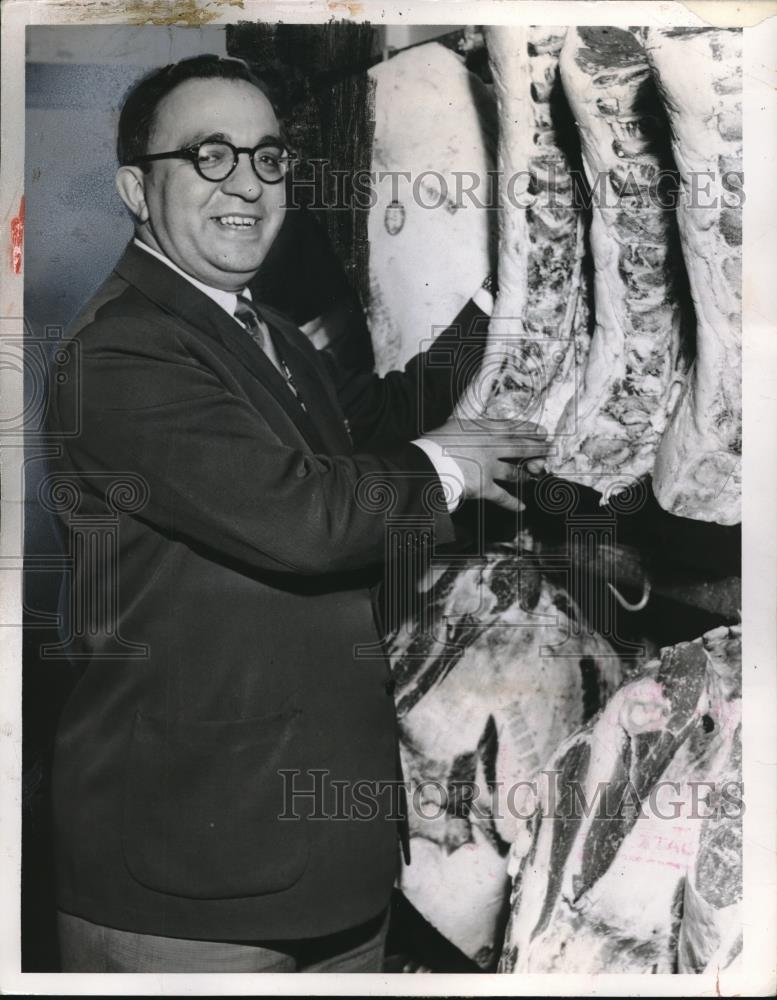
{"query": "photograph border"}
pixel 758 975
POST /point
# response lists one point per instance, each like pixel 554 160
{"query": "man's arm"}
pixel 386 412
pixel 218 475
pixel 416 405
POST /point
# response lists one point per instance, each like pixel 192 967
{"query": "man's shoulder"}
pixel 112 290
pixel 118 311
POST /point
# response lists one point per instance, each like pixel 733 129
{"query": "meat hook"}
pixel 641 603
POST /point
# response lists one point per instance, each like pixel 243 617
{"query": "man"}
pixel 246 571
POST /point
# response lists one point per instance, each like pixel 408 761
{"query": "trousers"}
pixel 88 947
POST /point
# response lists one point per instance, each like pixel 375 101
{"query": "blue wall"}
pixel 75 225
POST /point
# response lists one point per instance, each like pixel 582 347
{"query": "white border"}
pixel 759 974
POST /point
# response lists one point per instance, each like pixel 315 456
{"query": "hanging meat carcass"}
pixel 431 245
pixel 538 335
pixel 611 429
pixel 632 861
pixel 635 411
pixel 484 693
pixel 697 472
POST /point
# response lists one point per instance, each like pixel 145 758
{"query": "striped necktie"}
pixel 247 314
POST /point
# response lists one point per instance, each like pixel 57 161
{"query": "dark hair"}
pixel 141 102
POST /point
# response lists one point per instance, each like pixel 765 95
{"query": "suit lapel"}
pixel 323 408
pixel 184 302
pixel 239 343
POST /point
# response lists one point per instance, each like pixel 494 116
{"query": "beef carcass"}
pixel 697 472
pixel 482 698
pixel 610 431
pixel 538 335
pixel 431 245
pixel 632 861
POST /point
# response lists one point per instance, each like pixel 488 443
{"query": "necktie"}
pixel 247 314
pixel 256 327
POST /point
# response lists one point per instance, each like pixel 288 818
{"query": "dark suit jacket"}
pixel 245 565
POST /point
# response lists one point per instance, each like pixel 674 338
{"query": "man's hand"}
pixel 506 454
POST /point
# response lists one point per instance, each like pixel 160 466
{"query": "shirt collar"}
pixel 227 300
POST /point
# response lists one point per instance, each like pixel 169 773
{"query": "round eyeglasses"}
pixel 215 161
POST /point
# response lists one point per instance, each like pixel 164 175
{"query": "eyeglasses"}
pixel 215 161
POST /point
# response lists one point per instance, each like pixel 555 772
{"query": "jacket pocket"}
pixel 201 807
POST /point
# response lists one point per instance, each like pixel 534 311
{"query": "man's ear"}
pixel 131 185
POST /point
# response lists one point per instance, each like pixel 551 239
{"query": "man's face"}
pixel 201 225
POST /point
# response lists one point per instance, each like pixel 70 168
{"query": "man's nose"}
pixel 243 181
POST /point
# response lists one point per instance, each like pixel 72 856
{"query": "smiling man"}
pixel 218 221
pixel 245 569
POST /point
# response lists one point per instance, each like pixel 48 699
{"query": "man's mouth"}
pixel 236 221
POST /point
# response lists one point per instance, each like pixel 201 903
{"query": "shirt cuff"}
pixel 448 471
